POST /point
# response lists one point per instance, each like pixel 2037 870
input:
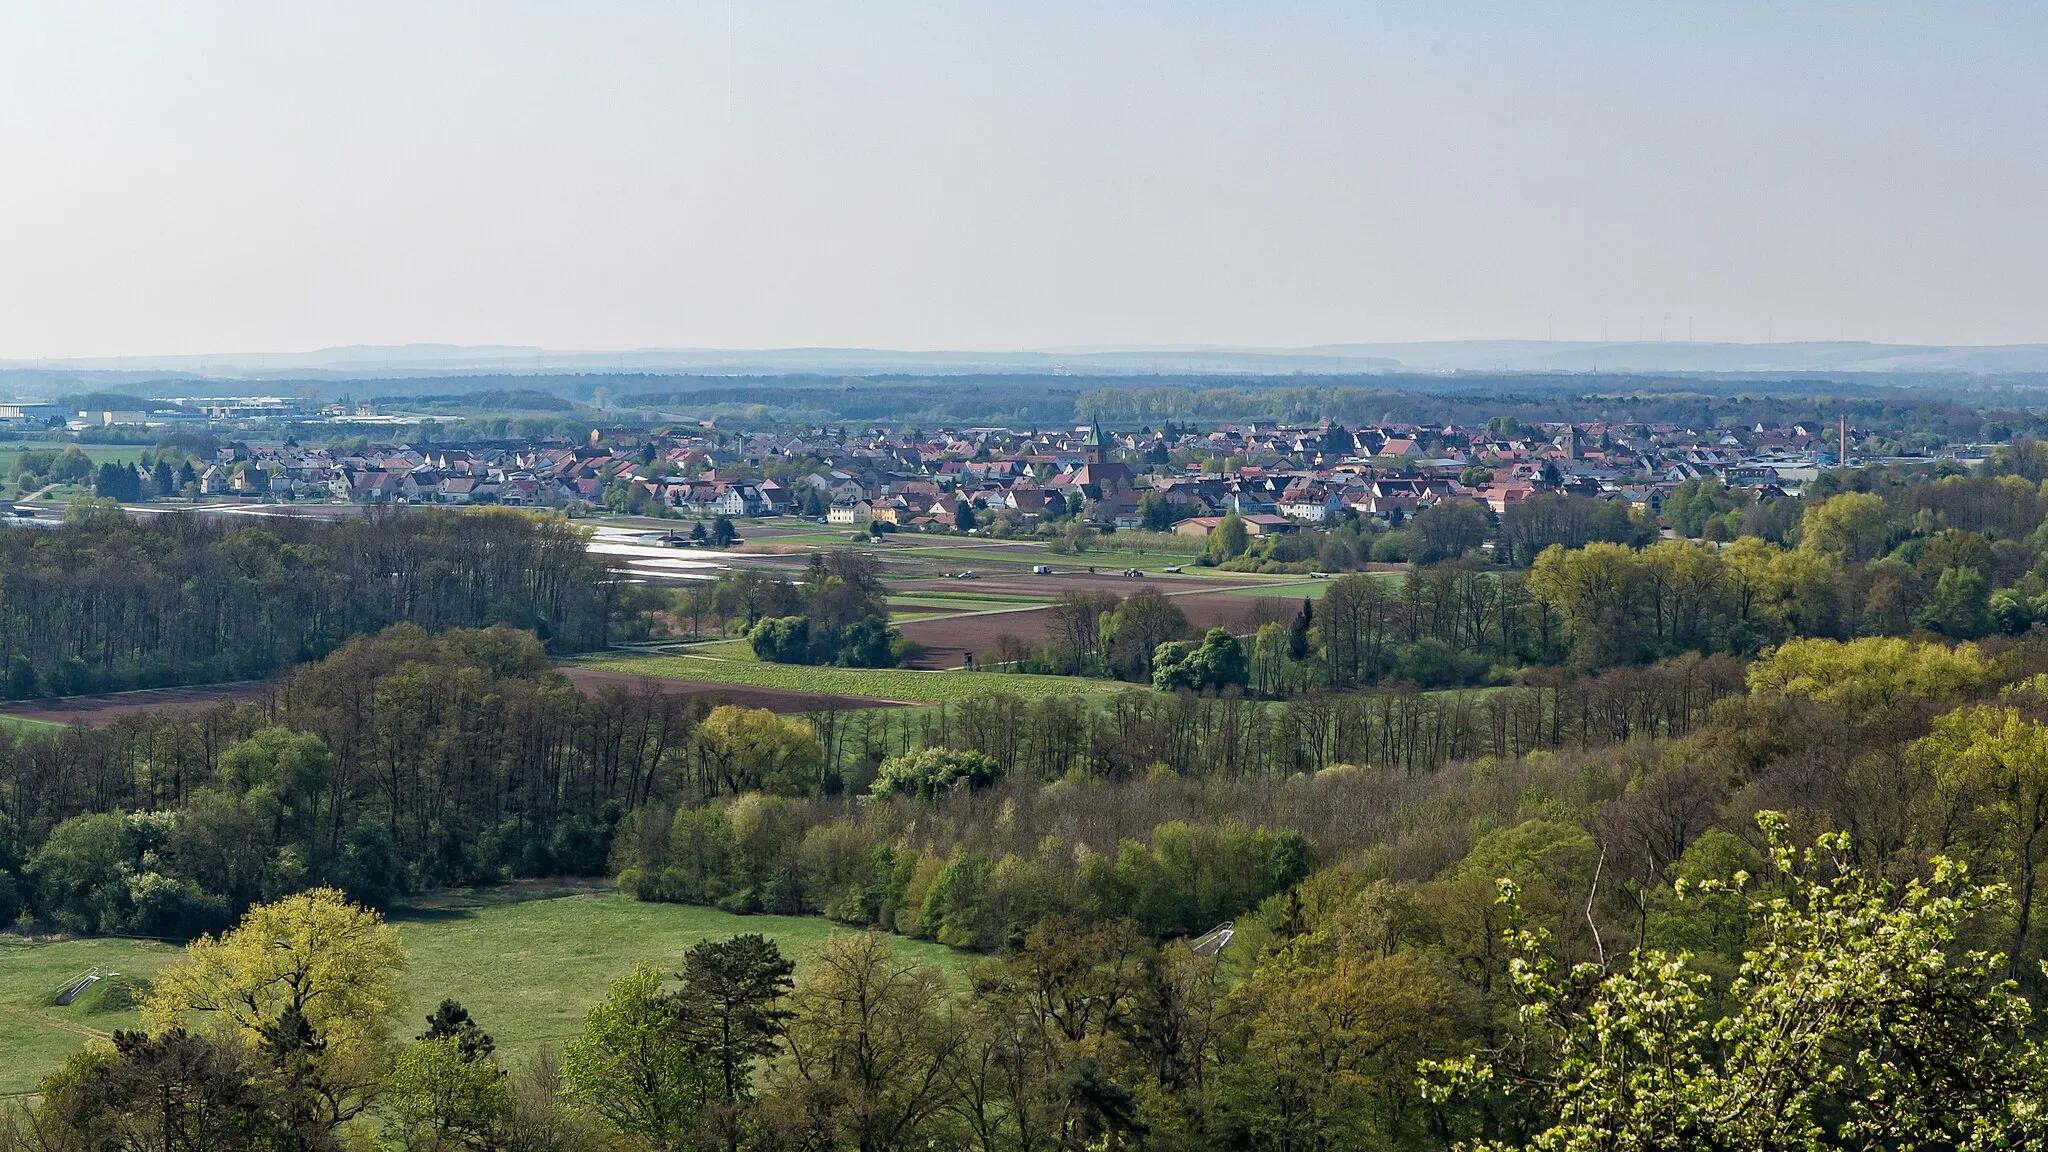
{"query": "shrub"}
pixel 931 772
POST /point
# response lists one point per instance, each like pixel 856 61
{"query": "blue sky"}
pixel 211 177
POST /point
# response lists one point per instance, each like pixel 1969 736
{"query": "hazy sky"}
pixel 193 177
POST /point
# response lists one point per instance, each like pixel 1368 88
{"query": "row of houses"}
pixel 925 479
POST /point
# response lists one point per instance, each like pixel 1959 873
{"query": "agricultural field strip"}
pixel 889 685
pixel 956 607
pixel 1040 605
pixel 910 594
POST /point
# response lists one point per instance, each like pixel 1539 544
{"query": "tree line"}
pixel 409 760
pixel 109 602
pixel 402 761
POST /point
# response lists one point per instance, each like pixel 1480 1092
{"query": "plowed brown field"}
pixel 948 640
pixel 102 709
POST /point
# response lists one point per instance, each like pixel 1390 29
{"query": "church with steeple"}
pixel 1097 468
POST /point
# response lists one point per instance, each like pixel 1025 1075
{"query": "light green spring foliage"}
pixel 1850 525
pixel 869 1043
pixel 1855 1008
pixel 435 1100
pixel 929 773
pixel 313 955
pixel 1874 670
pixel 1228 539
pixel 753 748
pixel 1989 765
pixel 628 1069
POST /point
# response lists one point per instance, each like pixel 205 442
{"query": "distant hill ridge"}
pixel 372 361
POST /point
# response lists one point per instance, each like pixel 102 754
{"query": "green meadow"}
pixel 900 684
pixel 528 971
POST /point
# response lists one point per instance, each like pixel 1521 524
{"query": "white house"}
pixel 849 512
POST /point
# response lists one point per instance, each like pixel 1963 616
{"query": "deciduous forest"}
pixel 112 602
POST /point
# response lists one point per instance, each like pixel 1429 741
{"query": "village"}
pixel 998 480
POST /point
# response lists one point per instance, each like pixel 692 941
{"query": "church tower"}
pixel 1092 451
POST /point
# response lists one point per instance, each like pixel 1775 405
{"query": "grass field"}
pixel 528 971
pixel 97 453
pixel 874 683
pixel 26 724
pixel 1308 590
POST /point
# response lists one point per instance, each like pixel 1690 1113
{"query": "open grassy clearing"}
pixel 528 971
pixel 1307 589
pixel 36 1036
pixel 24 722
pixel 1198 572
pixel 874 683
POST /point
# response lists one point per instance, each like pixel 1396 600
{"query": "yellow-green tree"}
pixel 1851 525
pixel 1324 1053
pixel 1991 763
pixel 1596 589
pixel 1684 587
pixel 868 1046
pixel 1854 1021
pixel 1553 861
pixel 753 749
pixel 637 1066
pixel 439 1099
pixel 310 981
pixel 1227 540
pixel 1872 671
